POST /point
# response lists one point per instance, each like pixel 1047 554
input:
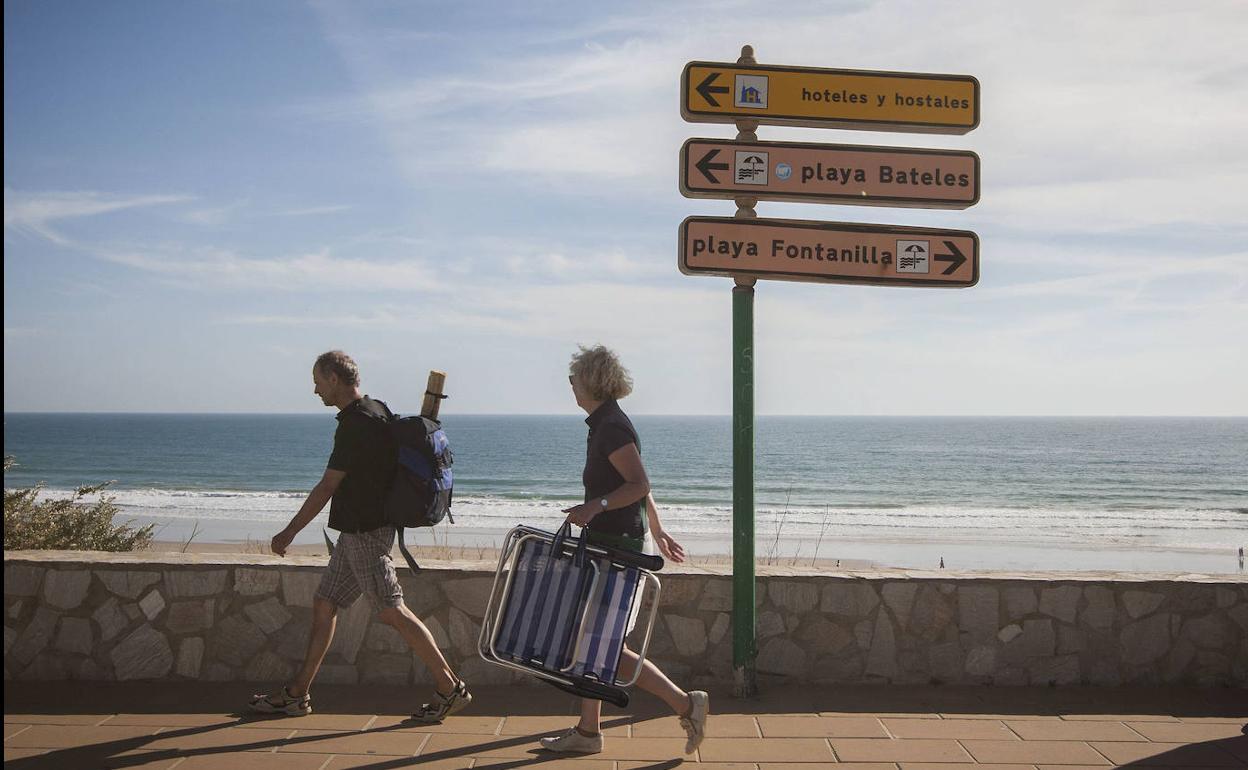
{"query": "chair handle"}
pixel 557 545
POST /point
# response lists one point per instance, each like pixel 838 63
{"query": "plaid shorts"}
pixel 361 564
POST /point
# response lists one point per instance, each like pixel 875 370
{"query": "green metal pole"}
pixel 744 646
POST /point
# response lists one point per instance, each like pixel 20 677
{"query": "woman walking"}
pixel 615 489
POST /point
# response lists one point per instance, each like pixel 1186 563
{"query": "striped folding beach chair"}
pixel 560 610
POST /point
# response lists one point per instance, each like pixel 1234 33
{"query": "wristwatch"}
pixel 603 502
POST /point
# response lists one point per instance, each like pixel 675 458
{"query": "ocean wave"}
pixel 212 493
pixel 1185 526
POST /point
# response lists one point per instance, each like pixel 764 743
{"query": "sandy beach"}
pixel 486 553
pixel 967 553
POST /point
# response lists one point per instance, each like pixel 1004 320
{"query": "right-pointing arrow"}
pixel 706 89
pixel 956 258
pixel 706 167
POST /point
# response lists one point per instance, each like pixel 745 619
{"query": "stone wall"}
pixel 98 616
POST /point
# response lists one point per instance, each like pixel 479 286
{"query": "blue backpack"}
pixel 420 495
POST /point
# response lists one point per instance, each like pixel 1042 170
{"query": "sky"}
pixel 200 197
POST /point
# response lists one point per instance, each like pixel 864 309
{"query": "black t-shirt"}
pixel 364 450
pixel 610 429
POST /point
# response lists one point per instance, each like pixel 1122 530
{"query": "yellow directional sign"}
pixel 713 92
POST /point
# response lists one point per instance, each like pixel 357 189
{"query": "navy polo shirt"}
pixel 610 429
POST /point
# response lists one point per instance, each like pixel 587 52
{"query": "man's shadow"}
pixel 112 754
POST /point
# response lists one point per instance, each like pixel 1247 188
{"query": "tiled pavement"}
pixel 189 726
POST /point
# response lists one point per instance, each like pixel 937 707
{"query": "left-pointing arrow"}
pixel 955 257
pixel 706 89
pixel 706 167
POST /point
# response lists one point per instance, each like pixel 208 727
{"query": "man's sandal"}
pixel 444 705
pixel 282 703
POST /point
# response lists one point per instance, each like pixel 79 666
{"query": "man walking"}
pixel 357 479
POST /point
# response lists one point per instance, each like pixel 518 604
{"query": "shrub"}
pixel 69 524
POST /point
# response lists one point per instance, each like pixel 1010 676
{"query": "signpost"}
pixel 829 252
pixel 746 248
pixel 829 173
pixel 712 92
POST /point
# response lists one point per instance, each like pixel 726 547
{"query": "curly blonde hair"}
pixel 600 372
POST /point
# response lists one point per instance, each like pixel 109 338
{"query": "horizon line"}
pixel 171 413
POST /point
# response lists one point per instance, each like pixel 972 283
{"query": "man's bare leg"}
pixel 324 620
pixel 417 636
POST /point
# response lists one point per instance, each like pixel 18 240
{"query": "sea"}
pixel 1003 493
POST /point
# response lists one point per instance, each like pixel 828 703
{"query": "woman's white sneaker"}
pixel 571 741
pixel 695 723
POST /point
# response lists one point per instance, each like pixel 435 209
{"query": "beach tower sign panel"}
pixel 829 252
pixel 713 92
pixel 829 173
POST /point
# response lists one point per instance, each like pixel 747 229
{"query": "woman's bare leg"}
pixel 591 717
pixel 654 681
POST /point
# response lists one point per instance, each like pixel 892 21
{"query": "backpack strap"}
pixel 407 555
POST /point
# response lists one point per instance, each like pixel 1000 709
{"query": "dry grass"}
pixel 251 545
pixel 70 523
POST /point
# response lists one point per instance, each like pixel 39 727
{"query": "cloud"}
pixel 1112 123
pixel 595 310
pixel 213 216
pixel 220 215
pixel 1188 198
pixel 23 332
pixel 34 213
pixel 561 265
pixel 1123 268
pixel 318 271
pixel 466 265
pixel 311 211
